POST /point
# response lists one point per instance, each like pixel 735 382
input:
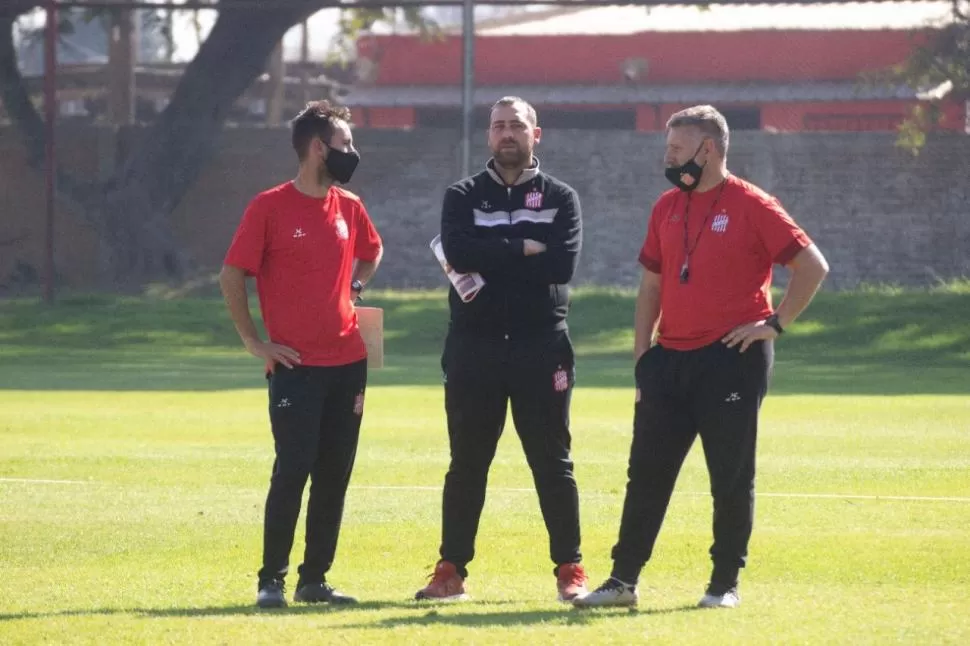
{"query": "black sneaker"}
pixel 271 594
pixel 321 593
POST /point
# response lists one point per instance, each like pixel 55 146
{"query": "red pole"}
pixel 50 113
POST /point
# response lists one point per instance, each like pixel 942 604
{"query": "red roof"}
pixel 670 57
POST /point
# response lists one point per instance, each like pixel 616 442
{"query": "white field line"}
pixel 833 496
pixel 823 496
pixel 34 481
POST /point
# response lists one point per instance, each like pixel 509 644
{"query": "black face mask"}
pixel 341 165
pixel 692 170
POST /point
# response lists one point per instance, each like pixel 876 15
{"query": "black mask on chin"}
pixel 341 165
pixel 688 176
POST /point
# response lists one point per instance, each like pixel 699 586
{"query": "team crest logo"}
pixel 560 381
pixel 341 226
pixel 533 200
pixel 359 404
pixel 720 223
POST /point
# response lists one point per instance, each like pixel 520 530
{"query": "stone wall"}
pixel 879 214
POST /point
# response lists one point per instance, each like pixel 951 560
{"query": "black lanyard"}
pixel 689 250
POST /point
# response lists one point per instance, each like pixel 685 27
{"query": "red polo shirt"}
pixel 743 231
pixel 301 250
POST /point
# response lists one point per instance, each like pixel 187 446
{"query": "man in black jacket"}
pixel 521 229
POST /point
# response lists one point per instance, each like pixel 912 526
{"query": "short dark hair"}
pixel 317 119
pixel 708 120
pixel 514 100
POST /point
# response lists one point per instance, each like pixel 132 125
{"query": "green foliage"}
pixel 946 57
pixel 912 131
pixel 942 62
pixel 353 22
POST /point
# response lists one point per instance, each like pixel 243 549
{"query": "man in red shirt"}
pixel 311 247
pixel 708 255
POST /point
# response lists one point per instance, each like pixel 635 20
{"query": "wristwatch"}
pixel 356 287
pixel 772 322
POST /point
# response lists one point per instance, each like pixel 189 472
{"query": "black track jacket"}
pixel 483 225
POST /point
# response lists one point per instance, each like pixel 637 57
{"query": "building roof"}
pixel 437 96
pixel 719 17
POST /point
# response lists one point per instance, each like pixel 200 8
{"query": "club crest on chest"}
pixel 533 200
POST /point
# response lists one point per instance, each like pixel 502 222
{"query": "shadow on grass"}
pixel 846 343
pixel 416 321
pixel 566 616
pixel 423 613
pixel 143 371
pixel 221 611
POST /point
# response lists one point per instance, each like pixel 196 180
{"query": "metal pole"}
pixel 50 113
pixel 467 84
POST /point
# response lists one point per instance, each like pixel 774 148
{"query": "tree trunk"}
pixel 131 211
pixel 166 160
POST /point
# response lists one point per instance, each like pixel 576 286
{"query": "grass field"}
pixel 136 454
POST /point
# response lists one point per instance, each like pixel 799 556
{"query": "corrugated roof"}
pixel 720 17
pixel 618 95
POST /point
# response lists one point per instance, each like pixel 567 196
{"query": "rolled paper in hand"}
pixel 467 285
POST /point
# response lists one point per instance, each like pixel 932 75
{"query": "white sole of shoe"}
pixel 451 599
pixel 718 604
pixel 582 603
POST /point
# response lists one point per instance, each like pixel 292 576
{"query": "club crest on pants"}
pixel 560 380
pixel 359 404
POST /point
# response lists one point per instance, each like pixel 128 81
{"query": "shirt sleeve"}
pixel 781 236
pixel 247 248
pixel 650 252
pixel 557 265
pixel 367 242
pixel 464 250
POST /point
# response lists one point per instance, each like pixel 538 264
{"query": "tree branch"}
pixel 21 110
pixel 14 93
pixel 958 13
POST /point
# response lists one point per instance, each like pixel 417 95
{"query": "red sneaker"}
pixel 446 584
pixel 571 581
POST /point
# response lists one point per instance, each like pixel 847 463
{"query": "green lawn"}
pixel 136 453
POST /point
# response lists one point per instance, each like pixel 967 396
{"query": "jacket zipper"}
pixel 508 204
pixel 508 199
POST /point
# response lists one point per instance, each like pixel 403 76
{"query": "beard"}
pixel 512 157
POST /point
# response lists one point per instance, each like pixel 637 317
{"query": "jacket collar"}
pixel 527 175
